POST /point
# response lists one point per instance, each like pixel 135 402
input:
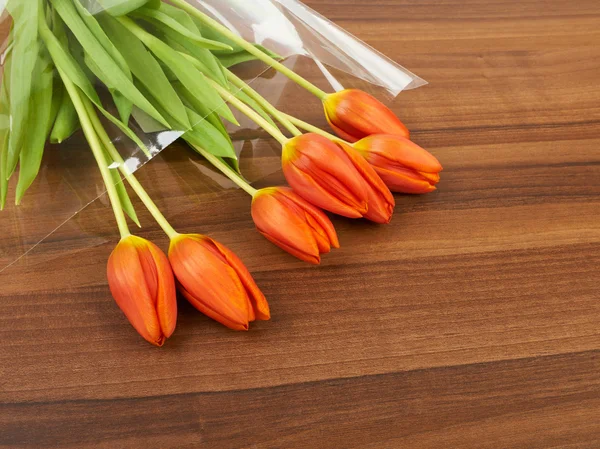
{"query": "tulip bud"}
pixel 216 282
pixel 293 224
pixel 355 114
pixel 404 166
pixel 142 283
pixel 334 177
pixel 320 171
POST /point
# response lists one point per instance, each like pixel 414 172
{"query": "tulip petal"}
pixel 384 150
pixel 434 178
pixel 127 282
pixel 314 259
pixel 381 200
pixel 207 278
pixel 403 165
pixel 318 220
pixel 326 159
pixel 340 121
pixel 405 181
pixel 343 134
pixel 332 183
pixel 319 235
pixel 166 295
pixel 257 299
pixel 148 269
pixel 282 220
pixel 319 240
pixel 214 314
pixel 311 191
pixel 358 114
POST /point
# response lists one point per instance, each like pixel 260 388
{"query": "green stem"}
pixel 250 48
pixel 96 146
pixel 262 101
pixel 131 179
pixel 249 112
pixel 313 129
pixel 225 169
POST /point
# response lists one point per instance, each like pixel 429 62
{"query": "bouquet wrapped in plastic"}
pixel 135 75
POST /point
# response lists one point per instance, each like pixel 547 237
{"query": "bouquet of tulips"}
pixel 169 63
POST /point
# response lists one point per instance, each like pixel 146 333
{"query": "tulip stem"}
pixel 249 112
pixel 97 150
pixel 263 102
pixel 313 129
pixel 212 23
pixel 131 179
pixel 244 87
pixel 226 170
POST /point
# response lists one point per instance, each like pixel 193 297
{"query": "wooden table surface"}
pixel 472 321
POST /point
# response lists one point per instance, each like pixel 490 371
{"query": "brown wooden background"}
pixel 472 321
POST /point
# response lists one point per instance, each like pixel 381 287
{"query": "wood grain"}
pixel 469 322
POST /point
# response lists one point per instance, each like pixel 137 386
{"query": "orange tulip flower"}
pixel 404 166
pixel 380 200
pixel 142 283
pixel 355 114
pixel 216 282
pixel 321 172
pixel 293 224
pixel 334 177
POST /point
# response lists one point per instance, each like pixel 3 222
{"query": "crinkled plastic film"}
pixel 69 183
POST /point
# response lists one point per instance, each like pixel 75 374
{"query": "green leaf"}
pixel 200 109
pixel 213 118
pixel 168 72
pixel 39 118
pixel 124 105
pixel 214 35
pixel 205 135
pixel 160 19
pixel 122 7
pixel 231 59
pixel 118 79
pixel 66 123
pixel 189 76
pixel 3 153
pixel 209 64
pixel 65 61
pixel 181 16
pixel 93 25
pixel 25 51
pixel 147 70
pixel 4 127
pixel 58 93
pixel 197 102
pixel 179 48
pixel 145 122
